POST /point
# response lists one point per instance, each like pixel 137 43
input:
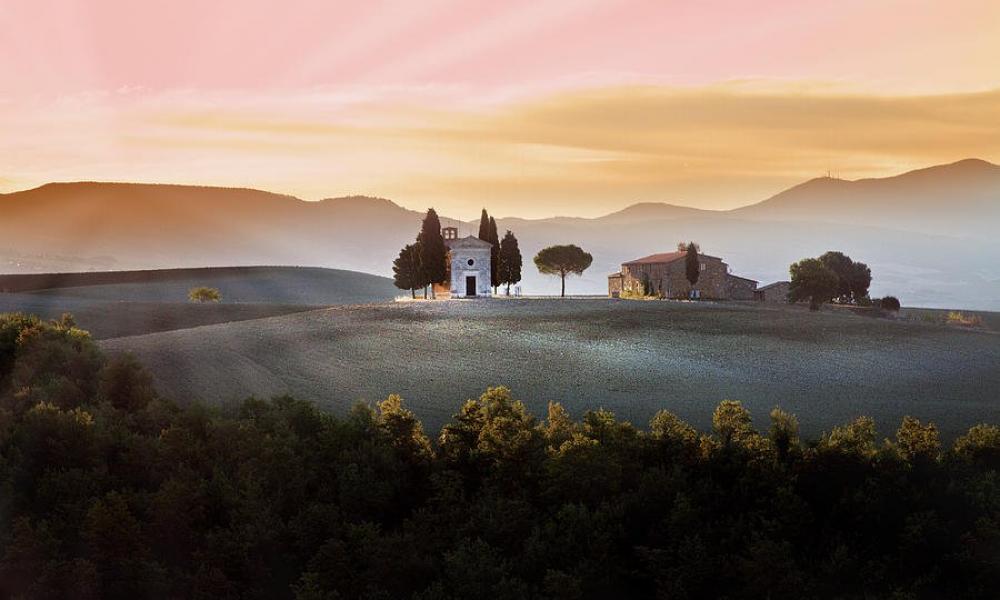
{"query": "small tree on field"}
pixel 204 294
pixel 692 267
pixel 510 263
pixel 406 269
pixel 812 280
pixel 561 261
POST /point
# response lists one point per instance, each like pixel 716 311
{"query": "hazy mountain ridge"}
pixel 960 199
pixel 926 233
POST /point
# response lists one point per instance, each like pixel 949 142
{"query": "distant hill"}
pixel 645 211
pixel 927 234
pixel 960 199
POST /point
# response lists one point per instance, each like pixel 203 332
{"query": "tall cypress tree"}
pixel 692 265
pixel 484 227
pixel 494 240
pixel 433 252
pixel 510 261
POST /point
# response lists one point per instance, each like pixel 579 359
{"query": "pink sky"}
pixel 110 72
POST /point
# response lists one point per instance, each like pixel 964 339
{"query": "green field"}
pixel 630 357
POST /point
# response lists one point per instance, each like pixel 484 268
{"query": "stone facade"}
pixel 615 285
pixel 469 265
pixel 740 288
pixel 773 292
pixel 667 277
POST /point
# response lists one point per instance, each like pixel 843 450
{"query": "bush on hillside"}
pixel 889 303
pixel 204 294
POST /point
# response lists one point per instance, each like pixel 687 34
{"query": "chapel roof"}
pixel 469 241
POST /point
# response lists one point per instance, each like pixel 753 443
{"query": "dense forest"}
pixel 108 491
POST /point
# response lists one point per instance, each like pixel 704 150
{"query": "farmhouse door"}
pixel 470 285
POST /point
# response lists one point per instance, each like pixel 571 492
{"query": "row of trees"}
pixel 832 276
pixel 109 491
pixel 425 262
pixel 505 256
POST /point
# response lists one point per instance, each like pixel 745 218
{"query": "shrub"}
pixel 981 444
pixel 889 303
pixel 917 441
pixel 958 318
pixel 204 294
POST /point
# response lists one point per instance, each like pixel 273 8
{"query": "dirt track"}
pixel 630 357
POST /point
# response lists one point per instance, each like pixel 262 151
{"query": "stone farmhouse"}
pixel 469 265
pixel 667 277
pixel 774 292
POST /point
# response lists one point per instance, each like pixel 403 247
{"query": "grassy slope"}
pixel 630 357
pixel 142 302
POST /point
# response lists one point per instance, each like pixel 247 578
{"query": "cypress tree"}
pixel 692 266
pixel 433 252
pixel 484 227
pixel 494 240
pixel 510 261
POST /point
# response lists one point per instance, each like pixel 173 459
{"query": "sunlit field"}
pixel 632 358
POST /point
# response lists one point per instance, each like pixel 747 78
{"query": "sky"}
pixel 531 108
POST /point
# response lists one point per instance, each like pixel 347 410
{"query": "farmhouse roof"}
pixel 743 278
pixel 771 285
pixel 663 257
pixel 469 241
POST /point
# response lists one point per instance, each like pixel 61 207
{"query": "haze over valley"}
pixel 928 235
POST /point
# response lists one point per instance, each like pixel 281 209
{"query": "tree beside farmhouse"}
pixel 562 261
pixel 692 267
pixel 812 280
pixel 853 278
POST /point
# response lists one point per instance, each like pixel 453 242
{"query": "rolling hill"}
pixel 632 358
pixel 125 303
pixel 927 234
